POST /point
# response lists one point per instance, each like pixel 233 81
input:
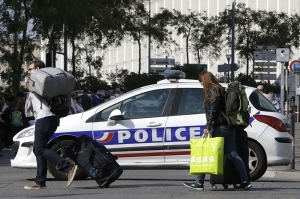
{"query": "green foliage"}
pixel 188 25
pixel 246 80
pixel 16 43
pixel 117 78
pixel 110 23
pixel 206 39
pixel 135 80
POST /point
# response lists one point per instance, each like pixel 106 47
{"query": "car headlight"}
pixel 27 132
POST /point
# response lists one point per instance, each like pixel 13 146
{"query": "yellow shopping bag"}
pixel 207 155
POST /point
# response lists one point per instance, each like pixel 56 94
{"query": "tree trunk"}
pixel 73 61
pixel 198 56
pixel 140 54
pixel 247 64
pixel 187 50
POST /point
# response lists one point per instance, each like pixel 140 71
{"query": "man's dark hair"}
pixel 8 98
pixel 85 90
pixel 37 64
pixel 21 94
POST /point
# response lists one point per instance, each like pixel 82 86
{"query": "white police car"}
pixel 150 128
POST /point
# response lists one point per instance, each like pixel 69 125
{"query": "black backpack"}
pixel 236 105
pixel 59 105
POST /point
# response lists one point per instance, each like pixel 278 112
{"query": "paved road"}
pixel 278 182
pixel 140 184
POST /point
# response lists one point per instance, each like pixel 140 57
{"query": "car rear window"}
pixel 261 103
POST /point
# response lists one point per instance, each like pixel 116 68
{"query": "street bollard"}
pixel 292 126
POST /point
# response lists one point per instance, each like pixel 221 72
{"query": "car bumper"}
pixel 278 147
pixel 25 157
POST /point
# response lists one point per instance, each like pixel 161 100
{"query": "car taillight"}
pixel 272 122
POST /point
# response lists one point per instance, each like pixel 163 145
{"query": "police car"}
pixel 150 128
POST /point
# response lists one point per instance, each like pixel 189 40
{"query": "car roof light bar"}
pixel 174 75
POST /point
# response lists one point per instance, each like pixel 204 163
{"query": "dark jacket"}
pixel 214 109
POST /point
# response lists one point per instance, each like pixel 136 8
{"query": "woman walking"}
pixel 214 105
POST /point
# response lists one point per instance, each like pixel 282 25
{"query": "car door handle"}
pixel 153 124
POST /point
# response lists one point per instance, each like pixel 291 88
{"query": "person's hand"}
pixel 206 131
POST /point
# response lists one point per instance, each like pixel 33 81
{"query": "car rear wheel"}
pixel 52 168
pixel 257 161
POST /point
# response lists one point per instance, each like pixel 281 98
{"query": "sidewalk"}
pixel 283 171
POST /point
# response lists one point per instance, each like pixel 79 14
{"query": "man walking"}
pixel 45 126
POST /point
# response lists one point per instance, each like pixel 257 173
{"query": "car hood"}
pixel 71 117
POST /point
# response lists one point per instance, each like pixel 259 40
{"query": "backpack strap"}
pixel 222 112
pixel 62 72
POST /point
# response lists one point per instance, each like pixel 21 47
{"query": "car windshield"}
pixel 260 102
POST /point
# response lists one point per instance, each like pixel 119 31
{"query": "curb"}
pixel 291 174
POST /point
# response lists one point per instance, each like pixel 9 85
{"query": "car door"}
pixel 187 120
pixel 138 138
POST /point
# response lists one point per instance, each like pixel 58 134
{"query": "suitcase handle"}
pixel 59 143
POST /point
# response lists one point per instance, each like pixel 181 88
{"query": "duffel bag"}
pixel 50 82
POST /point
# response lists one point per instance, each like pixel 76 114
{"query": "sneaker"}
pixel 243 186
pixel 71 175
pixel 194 185
pixel 33 185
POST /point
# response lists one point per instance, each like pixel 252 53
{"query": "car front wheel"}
pixel 53 169
pixel 257 161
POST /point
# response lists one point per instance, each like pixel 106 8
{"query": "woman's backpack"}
pixel 236 105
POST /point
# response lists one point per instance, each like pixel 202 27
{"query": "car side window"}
pixel 144 105
pixel 104 114
pixel 191 101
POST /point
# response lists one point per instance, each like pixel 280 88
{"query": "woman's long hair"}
pixel 208 80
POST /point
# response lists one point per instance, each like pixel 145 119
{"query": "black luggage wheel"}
pixel 225 186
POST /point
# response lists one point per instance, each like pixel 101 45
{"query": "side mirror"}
pixel 114 116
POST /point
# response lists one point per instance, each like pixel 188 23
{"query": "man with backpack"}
pixel 45 126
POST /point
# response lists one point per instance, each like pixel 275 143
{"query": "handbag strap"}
pixel 206 135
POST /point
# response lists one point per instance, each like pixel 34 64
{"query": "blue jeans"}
pixel 44 129
pixel 230 149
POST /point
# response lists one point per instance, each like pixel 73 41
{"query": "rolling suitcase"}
pixel 95 160
pixel 47 82
pixel 231 175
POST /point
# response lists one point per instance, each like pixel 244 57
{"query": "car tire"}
pixel 55 172
pixel 257 161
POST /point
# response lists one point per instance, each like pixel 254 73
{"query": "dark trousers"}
pixel 44 129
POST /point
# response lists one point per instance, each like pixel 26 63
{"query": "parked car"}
pixel 150 128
